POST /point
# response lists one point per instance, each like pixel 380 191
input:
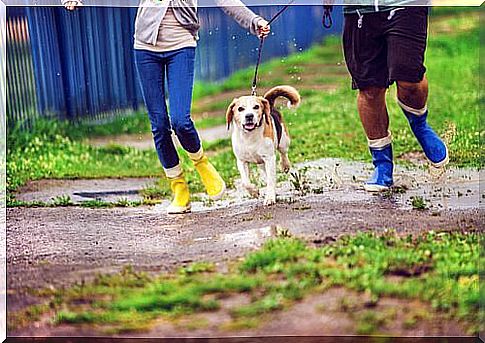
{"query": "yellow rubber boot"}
pixel 181 199
pixel 213 182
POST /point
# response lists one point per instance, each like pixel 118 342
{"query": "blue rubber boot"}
pixel 381 180
pixel 433 146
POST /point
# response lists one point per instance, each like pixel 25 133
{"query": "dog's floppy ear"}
pixel 230 113
pixel 266 109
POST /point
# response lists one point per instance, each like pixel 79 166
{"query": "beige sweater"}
pixel 151 13
pixel 171 36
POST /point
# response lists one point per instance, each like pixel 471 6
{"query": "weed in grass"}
pixel 124 202
pixel 158 191
pixel 151 202
pixel 282 232
pixel 197 267
pixel 418 203
pixel 26 316
pixel 414 317
pixel 97 203
pixel 393 191
pixel 266 216
pixel 62 200
pixel 265 305
pixel 20 203
pixel 369 322
pixel 299 182
pixel 192 323
pixel 282 250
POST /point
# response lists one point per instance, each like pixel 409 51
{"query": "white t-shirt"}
pixel 171 36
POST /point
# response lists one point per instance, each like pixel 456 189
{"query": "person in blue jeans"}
pixel 165 42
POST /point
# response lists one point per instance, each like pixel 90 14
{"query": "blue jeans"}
pixel 178 67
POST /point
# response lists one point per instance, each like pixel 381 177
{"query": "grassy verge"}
pixel 438 269
pixel 326 125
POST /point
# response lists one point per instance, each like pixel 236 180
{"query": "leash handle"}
pixel 327 21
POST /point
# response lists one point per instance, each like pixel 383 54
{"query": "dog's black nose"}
pixel 249 117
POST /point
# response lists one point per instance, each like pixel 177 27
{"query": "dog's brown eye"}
pixel 256 107
pixel 240 109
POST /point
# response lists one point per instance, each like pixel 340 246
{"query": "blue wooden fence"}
pixel 75 65
pixel 21 89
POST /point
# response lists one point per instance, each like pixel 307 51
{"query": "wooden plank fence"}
pixel 79 65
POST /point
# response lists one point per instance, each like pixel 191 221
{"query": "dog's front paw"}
pixel 285 164
pixel 270 200
pixel 285 167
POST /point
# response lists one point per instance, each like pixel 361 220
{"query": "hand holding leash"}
pixel 71 5
pixel 264 29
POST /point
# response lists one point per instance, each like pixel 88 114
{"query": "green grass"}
pixel 438 268
pixel 54 156
pixel 326 124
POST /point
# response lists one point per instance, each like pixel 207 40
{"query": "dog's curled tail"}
pixel 285 91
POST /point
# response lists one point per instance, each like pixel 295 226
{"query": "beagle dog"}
pixel 258 132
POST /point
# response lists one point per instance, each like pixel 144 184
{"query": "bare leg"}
pixel 412 98
pixel 371 104
pixel 413 95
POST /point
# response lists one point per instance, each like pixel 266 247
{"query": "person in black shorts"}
pixel 382 46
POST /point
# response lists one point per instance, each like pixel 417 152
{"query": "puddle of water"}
pixel 339 180
pixel 329 178
pixel 104 194
pixel 109 190
pixel 456 189
pixel 251 238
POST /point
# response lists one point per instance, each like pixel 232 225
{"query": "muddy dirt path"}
pixel 65 244
pixel 53 247
pixel 61 245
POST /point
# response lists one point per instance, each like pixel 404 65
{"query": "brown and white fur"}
pixel 255 136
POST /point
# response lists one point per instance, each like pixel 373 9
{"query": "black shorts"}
pixel 388 46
